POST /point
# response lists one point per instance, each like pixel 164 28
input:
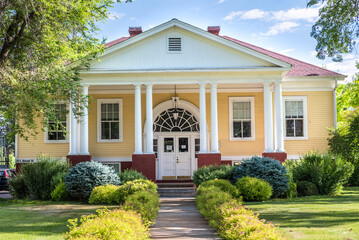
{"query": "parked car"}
pixel 5 175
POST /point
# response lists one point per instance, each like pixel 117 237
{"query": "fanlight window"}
pixel 185 122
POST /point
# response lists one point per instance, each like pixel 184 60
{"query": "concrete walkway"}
pixel 179 218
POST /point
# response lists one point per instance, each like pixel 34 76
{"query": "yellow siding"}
pixel 320 116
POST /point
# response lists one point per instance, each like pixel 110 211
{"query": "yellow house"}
pixel 174 98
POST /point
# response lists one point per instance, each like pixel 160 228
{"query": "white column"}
pixel 138 127
pixel 149 120
pixel 84 141
pixel 73 130
pixel 268 118
pixel 202 124
pixel 214 119
pixel 279 134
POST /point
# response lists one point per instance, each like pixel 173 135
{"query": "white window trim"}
pixel 46 140
pixel 113 100
pixel 167 44
pixel 305 117
pixel 242 99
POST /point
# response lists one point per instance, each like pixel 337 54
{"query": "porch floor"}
pixel 178 218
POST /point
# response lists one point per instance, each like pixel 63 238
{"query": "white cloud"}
pixel 220 1
pixel 232 15
pixel 281 28
pixel 286 51
pixel 254 14
pixel 305 14
pixel 115 15
pixel 347 67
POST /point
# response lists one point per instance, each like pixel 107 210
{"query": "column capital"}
pixel 214 85
pixel 137 85
pixel 149 84
pixel 202 84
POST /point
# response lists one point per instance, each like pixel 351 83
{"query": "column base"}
pixel 206 159
pixel 75 159
pixel 145 164
pixel 280 156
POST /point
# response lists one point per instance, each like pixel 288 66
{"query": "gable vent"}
pixel 174 44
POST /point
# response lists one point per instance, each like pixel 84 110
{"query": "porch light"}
pixel 175 112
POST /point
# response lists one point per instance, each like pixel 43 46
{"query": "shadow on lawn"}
pixel 39 219
pixel 309 212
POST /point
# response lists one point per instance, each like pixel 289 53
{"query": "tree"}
pixel 38 40
pixel 337 29
pixel 347 98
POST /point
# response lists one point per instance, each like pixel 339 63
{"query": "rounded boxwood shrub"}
pixel 266 169
pixel 306 188
pixel 82 178
pixel 130 175
pixel 114 224
pixel 224 185
pixel 254 189
pixel 211 172
pixel 60 193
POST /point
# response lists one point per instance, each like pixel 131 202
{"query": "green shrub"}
pixel 110 194
pixel 60 193
pixel 224 185
pixel 254 189
pixel 146 203
pixel 208 200
pixel 344 141
pixel 41 177
pixel 239 223
pixel 207 173
pixel 17 187
pixel 107 194
pixel 292 190
pixel 306 188
pixel 266 169
pixel 108 225
pixel 83 177
pixel 230 218
pixel 328 173
pixel 130 175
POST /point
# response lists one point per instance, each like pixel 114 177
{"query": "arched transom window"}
pixel 185 122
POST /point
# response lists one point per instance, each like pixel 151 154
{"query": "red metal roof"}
pixel 299 69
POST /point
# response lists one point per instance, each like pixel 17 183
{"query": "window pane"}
pixel 105 130
pixel 103 117
pixel 300 109
pixel 115 107
pixel 115 130
pixel 299 128
pixel 237 129
pixel 51 136
pixel 116 116
pixel 290 128
pixel 168 145
pixel 247 129
pixel 236 106
pixel 235 114
pixel 103 108
pixel 61 136
pixel 288 113
pixel 182 144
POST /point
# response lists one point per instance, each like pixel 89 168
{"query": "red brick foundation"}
pixel 145 164
pixel 206 159
pixel 227 162
pixel 75 159
pixel 125 166
pixel 280 156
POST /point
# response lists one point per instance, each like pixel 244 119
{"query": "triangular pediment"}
pixel 199 50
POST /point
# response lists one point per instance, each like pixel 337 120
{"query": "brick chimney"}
pixel 214 29
pixel 134 31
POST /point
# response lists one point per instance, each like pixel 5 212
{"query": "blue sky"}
pixel 279 25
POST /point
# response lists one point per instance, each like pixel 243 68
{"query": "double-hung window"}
pixel 56 128
pixel 109 120
pixel 241 118
pixel 295 117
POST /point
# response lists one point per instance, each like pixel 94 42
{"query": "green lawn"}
pixel 38 220
pixel 316 217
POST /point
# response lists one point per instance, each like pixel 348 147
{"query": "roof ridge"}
pixel 275 53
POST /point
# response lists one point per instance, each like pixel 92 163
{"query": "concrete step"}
pixel 174 184
pixel 177 192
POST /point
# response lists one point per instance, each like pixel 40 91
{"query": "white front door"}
pixel 176 157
